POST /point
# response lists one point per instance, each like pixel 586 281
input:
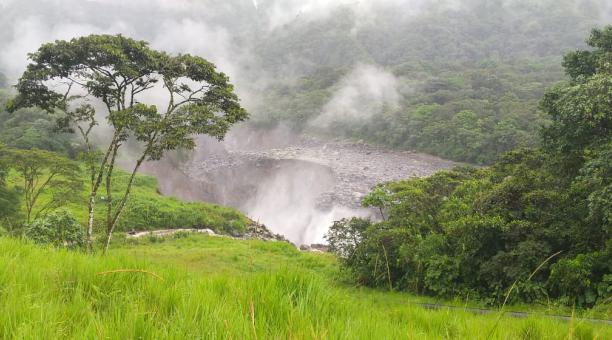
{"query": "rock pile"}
pixel 260 232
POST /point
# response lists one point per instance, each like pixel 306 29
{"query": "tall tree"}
pixel 117 73
pixel 581 111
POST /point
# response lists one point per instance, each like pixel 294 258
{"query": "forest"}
pixel 468 80
pixel 537 221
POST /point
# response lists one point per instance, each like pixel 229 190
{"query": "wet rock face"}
pixel 245 183
pixel 296 186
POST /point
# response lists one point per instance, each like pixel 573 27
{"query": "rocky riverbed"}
pixel 295 185
pixel 299 187
pixel 356 167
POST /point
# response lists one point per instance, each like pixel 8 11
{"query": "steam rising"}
pixel 363 93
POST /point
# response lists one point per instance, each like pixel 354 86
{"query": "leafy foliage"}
pixel 64 76
pixel 478 232
pixel 9 198
pixel 33 128
pixel 147 210
pixel 41 172
pixel 345 235
pixel 59 229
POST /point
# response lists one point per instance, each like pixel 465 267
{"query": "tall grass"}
pixel 47 293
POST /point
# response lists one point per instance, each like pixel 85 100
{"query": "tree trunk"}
pixel 94 191
pixel 109 189
pixel 90 221
pixel 111 226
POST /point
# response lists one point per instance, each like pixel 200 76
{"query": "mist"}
pixel 366 91
pixel 335 65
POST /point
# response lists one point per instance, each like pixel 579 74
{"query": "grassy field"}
pixel 196 286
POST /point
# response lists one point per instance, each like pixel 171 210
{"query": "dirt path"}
pixel 515 314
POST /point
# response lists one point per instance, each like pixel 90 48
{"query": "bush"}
pixel 583 280
pixel 59 229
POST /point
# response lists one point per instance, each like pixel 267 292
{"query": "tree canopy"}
pixel 77 77
pixel 39 172
pixel 580 112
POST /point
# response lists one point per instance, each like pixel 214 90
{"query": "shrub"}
pixel 59 229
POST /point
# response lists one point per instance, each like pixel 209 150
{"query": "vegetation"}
pixel 149 210
pixel 43 171
pixel 469 75
pixel 59 229
pixel 146 210
pixel 33 128
pixel 9 199
pixel 279 295
pixel 532 227
pixel 117 71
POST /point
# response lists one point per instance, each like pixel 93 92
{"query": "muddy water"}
pixel 297 186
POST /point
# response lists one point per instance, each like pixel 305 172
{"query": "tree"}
pixel 33 128
pixel 596 180
pixel 44 172
pixel 116 73
pixel 379 198
pixel 580 111
pixel 344 236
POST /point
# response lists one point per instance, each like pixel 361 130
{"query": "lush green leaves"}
pixel 59 229
pixel 479 232
pixel 581 112
pixel 9 198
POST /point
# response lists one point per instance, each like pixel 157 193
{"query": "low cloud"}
pixel 363 93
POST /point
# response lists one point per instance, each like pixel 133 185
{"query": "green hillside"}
pixel 148 209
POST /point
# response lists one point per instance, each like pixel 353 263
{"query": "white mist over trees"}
pixel 366 91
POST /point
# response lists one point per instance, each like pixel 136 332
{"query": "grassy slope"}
pixel 223 288
pixel 147 209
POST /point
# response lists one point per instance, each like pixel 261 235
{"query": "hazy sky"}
pixel 208 28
